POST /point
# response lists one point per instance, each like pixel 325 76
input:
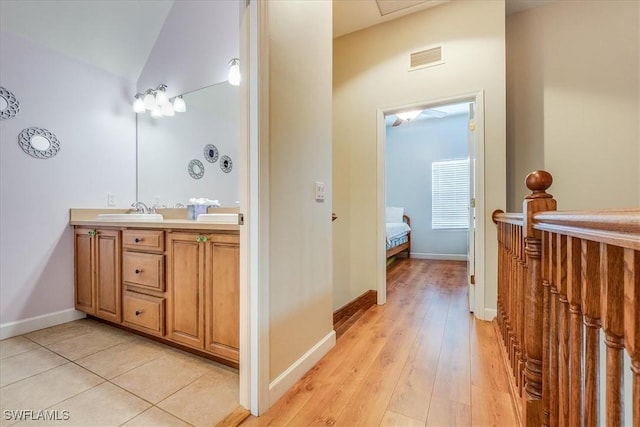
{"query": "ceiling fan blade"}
pixel 398 122
pixel 435 113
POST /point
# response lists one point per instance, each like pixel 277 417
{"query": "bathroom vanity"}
pixel 174 279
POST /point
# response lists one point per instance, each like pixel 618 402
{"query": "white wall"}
pixel 300 154
pixel 167 145
pixel 410 150
pixel 194 47
pixel 574 101
pixel 89 110
pixel 370 72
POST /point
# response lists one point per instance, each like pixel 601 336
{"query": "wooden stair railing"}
pixel 563 276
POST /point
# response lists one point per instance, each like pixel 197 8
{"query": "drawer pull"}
pixel 138 313
pixel 137 239
pixel 138 271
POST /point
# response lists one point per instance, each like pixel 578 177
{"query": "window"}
pixel 450 194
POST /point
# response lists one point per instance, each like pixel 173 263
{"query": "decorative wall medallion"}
pixel 226 164
pixel 9 104
pixel 38 143
pixel 196 169
pixel 211 153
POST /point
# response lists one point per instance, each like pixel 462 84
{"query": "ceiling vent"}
pixel 426 58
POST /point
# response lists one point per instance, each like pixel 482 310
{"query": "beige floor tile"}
pixel 62 332
pixel 157 418
pixel 205 401
pixel 103 405
pixel 23 365
pixel 121 358
pixel 161 377
pixel 47 388
pixel 16 345
pixel 98 339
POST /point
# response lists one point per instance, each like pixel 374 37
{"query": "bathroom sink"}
pixel 219 218
pixel 129 217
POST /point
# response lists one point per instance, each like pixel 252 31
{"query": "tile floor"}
pixel 86 373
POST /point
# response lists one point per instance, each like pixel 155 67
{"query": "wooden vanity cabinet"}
pixel 181 286
pixel 203 301
pixel 222 296
pixel 97 277
pixel 143 277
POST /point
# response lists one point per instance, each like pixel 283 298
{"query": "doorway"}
pixel 430 110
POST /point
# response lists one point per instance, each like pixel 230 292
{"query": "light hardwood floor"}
pixel 421 359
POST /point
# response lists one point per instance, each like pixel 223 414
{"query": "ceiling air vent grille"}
pixel 426 58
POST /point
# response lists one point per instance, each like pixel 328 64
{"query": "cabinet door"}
pixel 223 296
pixel 108 281
pixel 83 270
pixel 185 285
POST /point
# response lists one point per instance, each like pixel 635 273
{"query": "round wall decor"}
pixel 196 169
pixel 9 104
pixel 211 153
pixel 39 143
pixel 226 164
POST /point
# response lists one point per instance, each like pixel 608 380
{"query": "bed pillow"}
pixel 393 214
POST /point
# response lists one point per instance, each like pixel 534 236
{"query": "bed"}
pixel 398 231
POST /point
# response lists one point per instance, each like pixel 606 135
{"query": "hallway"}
pixel 421 359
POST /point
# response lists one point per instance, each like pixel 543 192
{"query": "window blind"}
pixel 450 194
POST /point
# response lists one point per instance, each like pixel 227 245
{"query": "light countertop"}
pixel 174 219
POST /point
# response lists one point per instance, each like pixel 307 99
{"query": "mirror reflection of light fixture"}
pixel 178 104
pixel 234 72
pixel 157 101
pixel 409 115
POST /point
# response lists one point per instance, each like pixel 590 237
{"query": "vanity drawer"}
pixel 143 240
pixel 143 312
pixel 144 270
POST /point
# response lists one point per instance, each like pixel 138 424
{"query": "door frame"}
pixel 254 204
pixel 478 98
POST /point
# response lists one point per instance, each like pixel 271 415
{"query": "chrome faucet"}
pixel 154 208
pixel 140 207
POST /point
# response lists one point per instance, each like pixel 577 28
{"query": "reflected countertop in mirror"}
pixel 167 145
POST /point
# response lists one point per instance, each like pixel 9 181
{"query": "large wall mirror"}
pixel 167 147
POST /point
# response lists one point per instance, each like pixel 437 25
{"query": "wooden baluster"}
pixel 590 292
pixel 563 330
pixel 553 332
pixel 514 297
pixel 521 287
pixel 575 332
pixel 632 323
pixel 546 348
pixel 500 272
pixel 511 294
pixel 538 182
pixel 612 300
pixel 507 289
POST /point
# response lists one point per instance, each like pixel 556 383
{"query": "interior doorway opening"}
pixel 428 166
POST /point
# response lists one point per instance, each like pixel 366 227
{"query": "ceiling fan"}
pixel 407 116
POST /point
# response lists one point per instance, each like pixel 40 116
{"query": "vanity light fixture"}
pixel 157 101
pixel 138 104
pixel 234 72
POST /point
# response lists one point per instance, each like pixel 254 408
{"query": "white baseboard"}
pixel 444 257
pixel 291 375
pixel 487 314
pixel 19 327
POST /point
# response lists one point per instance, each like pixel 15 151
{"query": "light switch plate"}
pixel 319 191
pixel 111 199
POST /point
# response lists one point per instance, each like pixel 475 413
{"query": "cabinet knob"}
pixel 138 313
pixel 137 240
pixel 138 271
pixel 92 233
